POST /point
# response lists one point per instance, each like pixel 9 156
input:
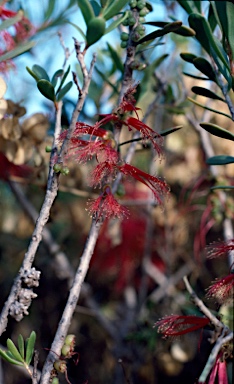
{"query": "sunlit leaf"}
pixel 30 343
pixel 11 21
pixel 14 351
pixel 116 23
pixel 9 358
pixel 217 131
pixel 86 10
pixel 114 7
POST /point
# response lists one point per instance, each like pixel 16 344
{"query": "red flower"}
pixel 156 185
pixel 103 171
pixel 105 206
pixel 175 325
pixel 220 248
pixel 146 132
pixel 219 372
pixel 223 289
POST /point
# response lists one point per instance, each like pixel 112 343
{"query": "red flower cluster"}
pixel 176 325
pixel 101 145
pixel 23 29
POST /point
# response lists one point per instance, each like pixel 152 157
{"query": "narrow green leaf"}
pixel 21 345
pixel 64 90
pixel 170 130
pixel 11 21
pixel 40 72
pixel 116 23
pixel 195 77
pixel 205 37
pixel 14 351
pixel 212 20
pixel 206 93
pixel 22 48
pixel 32 74
pixel 96 7
pixel 86 10
pixel 114 8
pixel 115 57
pixel 187 5
pixel 223 187
pixel 197 4
pixel 78 29
pixel 205 67
pixel 189 57
pixel 217 131
pixel 50 9
pixel 182 31
pixel 46 89
pixel 56 75
pixel 208 108
pixel 63 79
pixel 8 357
pixel 220 160
pixel 30 343
pixel 225 10
pixel 170 27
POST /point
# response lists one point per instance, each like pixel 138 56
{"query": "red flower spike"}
pixel 156 185
pixel 175 325
pixel 220 248
pixel 222 290
pixel 219 371
pixel 146 132
pixel 105 170
pixel 106 207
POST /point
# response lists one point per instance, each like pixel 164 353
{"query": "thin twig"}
pixel 199 303
pixel 51 193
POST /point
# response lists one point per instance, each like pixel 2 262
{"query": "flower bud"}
pixel 57 168
pixel 60 366
pixel 70 340
pixel 124 36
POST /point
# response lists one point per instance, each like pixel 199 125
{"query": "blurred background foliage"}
pixel 135 257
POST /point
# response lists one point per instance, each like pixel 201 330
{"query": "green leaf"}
pixel 21 48
pixel 170 27
pixel 30 343
pixel 205 67
pixel 116 23
pixel 11 21
pixel 195 77
pixel 206 38
pixel 50 9
pixel 46 89
pixel 113 8
pixel 78 29
pixel 115 57
pixel 64 90
pixel 14 351
pixel 225 10
pixel 182 31
pixel 212 20
pixel 63 79
pixel 95 30
pixel 56 75
pixel 187 5
pixel 21 345
pixel 32 74
pixel 40 72
pixel 86 10
pixel 197 4
pixel 8 357
pixel 170 130
pixel 96 7
pixel 220 160
pixel 189 57
pixel 208 108
pixel 217 131
pixel 206 93
pixel 223 187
